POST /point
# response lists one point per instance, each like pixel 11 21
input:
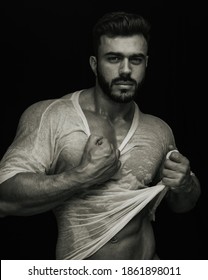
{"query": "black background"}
pixel 45 49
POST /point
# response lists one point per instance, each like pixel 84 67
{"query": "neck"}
pixel 111 109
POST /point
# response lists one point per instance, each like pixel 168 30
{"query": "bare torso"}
pixel 136 239
pixel 134 242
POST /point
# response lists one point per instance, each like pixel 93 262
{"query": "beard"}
pixel 120 95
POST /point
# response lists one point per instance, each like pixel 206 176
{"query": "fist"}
pixel 176 171
pixel 100 159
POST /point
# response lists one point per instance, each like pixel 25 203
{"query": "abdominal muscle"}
pixel 134 242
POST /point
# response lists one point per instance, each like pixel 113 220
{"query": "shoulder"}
pixel 154 122
pixel 53 108
pixel 157 126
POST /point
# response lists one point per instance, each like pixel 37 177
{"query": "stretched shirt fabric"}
pixel 52 134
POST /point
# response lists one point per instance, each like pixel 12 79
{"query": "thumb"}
pixel 171 149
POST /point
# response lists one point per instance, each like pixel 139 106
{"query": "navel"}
pixel 114 239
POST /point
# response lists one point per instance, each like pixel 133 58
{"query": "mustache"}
pixel 123 79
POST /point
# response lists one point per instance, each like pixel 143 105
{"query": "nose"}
pixel 125 67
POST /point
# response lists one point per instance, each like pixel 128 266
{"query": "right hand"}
pixel 100 160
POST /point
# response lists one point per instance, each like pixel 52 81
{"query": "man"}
pixel 95 159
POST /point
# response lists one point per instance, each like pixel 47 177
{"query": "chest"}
pixel 115 132
pixel 141 153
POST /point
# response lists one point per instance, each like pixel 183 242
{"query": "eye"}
pixel 136 60
pixel 114 59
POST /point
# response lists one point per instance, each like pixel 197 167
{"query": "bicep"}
pixel 31 148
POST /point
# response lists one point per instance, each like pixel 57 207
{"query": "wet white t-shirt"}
pixel 52 134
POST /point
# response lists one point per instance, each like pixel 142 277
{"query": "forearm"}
pixel 29 193
pixel 186 199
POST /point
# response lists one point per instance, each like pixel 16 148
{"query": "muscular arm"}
pixel 186 199
pixel 184 186
pixel 30 193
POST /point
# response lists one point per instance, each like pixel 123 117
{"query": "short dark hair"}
pixel 120 24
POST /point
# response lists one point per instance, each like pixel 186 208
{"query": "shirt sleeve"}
pixel 34 144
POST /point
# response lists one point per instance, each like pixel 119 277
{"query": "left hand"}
pixel 176 172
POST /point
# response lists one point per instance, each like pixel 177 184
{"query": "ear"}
pixel 147 59
pixel 93 64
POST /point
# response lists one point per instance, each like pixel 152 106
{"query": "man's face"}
pixel 121 66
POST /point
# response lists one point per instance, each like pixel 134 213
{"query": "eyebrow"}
pixel 121 54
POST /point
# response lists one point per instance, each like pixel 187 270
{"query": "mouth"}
pixel 124 83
